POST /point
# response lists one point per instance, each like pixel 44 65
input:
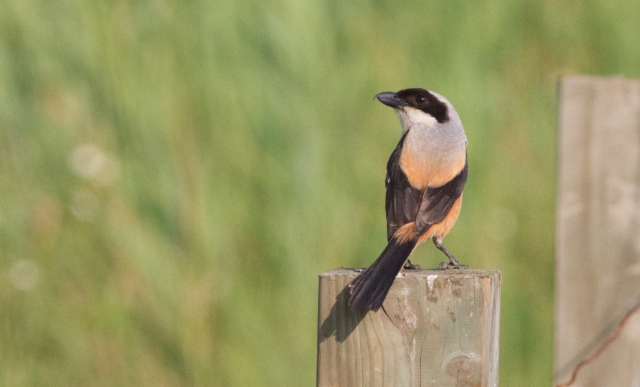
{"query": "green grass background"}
pixel 175 174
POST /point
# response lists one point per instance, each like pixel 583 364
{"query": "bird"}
pixel 426 174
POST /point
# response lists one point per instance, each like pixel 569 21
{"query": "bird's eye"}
pixel 421 99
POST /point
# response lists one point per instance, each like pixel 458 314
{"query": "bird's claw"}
pixel 445 266
pixel 410 266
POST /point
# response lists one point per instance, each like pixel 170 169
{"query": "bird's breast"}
pixel 431 158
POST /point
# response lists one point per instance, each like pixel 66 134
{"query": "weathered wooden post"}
pixel 598 230
pixel 435 328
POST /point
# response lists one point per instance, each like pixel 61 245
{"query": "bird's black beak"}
pixel 390 98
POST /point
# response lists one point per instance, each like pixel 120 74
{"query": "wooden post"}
pixel 598 229
pixel 435 328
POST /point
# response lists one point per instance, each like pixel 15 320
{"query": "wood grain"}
pixel 435 328
pixel 598 228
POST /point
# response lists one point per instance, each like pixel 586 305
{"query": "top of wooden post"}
pixel 420 272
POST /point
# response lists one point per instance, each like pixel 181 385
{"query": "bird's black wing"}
pixel 437 202
pixel 403 200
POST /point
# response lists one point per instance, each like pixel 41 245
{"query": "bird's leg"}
pixel 454 264
pixel 410 266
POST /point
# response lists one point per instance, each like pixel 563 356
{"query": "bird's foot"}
pixel 410 266
pixel 445 266
pixel 453 261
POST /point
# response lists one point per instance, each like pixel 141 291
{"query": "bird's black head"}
pixel 416 98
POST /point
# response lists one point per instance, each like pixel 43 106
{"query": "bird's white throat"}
pixel 410 116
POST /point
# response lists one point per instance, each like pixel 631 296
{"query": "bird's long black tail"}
pixel 369 289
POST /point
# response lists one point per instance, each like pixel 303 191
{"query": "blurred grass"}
pixel 174 175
